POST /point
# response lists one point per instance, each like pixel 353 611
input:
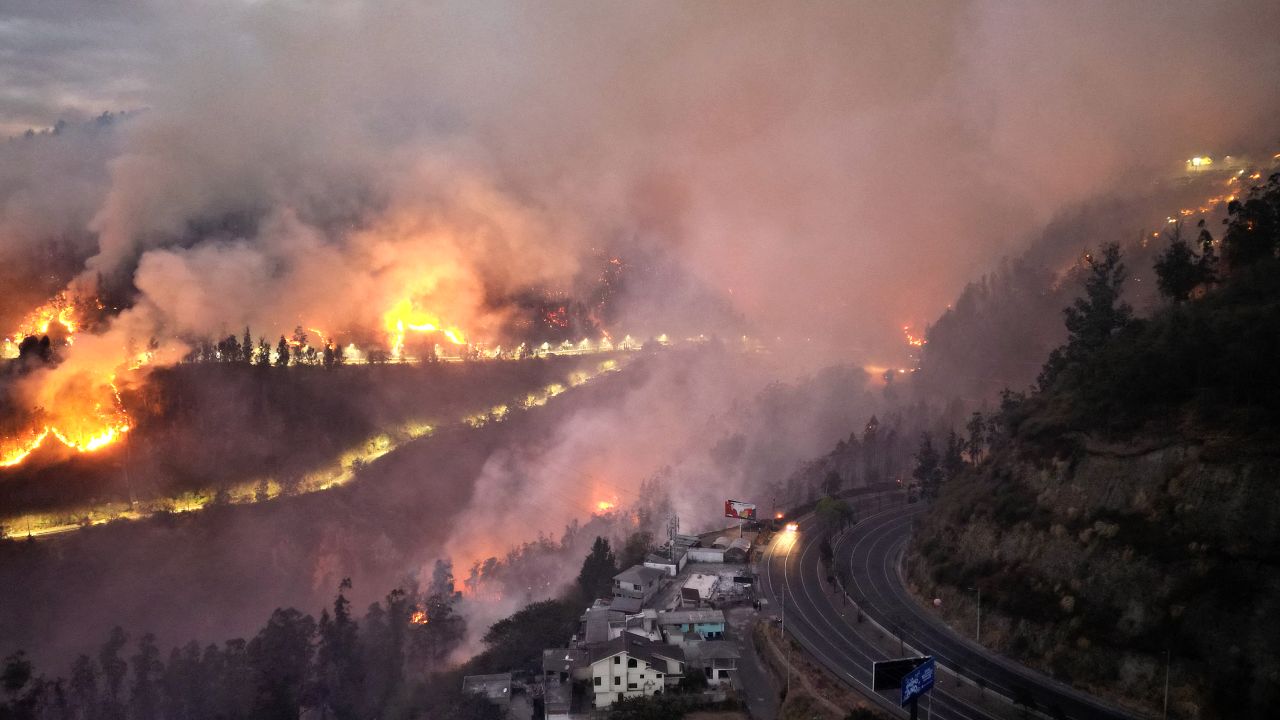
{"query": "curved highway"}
pixel 834 630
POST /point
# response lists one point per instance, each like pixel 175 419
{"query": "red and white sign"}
pixel 740 510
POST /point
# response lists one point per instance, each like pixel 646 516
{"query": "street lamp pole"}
pixel 1166 683
pixel 785 559
pixel 977 635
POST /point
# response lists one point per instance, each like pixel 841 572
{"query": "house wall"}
pixel 706 555
pixel 616 679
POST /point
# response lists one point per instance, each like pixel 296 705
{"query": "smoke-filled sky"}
pixel 832 170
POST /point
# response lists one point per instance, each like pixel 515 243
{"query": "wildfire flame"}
pixel 913 340
pixel 405 317
pixel 605 506
pixel 419 617
pixel 85 414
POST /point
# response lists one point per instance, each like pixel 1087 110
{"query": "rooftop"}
pixel 628 605
pixel 635 646
pixel 717 650
pixel 639 575
pixel 494 687
pixel 690 617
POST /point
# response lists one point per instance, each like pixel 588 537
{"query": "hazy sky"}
pixel 832 169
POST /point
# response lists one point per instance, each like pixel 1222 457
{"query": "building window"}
pixel 617 681
pixel 617 659
pixel 631 662
pixel 631 686
pixel 597 681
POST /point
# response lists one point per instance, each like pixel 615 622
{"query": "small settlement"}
pixel 664 625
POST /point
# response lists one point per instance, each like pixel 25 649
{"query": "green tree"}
pixel 1253 226
pixel 928 470
pixel 977 442
pixel 636 548
pixel 84 686
pixel 953 456
pixel 282 352
pixel 302 352
pixel 595 580
pixel 1093 319
pixel 1179 270
pixel 280 658
pixel 246 347
pixel 834 514
pixel 339 660
pixel 114 669
pixel 517 642
pixel 831 483
pixel 144 695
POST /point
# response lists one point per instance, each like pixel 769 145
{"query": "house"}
pixel 557 698
pixel 601 623
pixel 563 664
pixel 626 605
pixel 717 659
pixel 707 624
pixel 638 581
pixel 494 688
pixel 632 666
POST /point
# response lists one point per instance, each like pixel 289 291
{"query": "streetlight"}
pixel 977 636
pixel 790 538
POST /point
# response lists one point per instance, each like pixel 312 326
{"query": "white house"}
pixel 632 666
pixel 637 581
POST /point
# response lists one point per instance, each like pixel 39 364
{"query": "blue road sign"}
pixel 917 682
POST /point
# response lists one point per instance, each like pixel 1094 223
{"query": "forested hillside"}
pixel 1124 515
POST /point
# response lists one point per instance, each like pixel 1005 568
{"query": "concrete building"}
pixel 557 698
pixel 707 624
pixel 698 589
pixel 638 581
pixel 601 623
pixel 631 666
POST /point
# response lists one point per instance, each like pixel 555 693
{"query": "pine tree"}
pixel 953 457
pixel 282 353
pixel 595 580
pixel 927 472
pixel 1091 320
pixel 340 660
pixel 977 441
pixel 144 695
pixel 1179 270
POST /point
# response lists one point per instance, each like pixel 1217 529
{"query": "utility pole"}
pixel 977 635
pixel 1166 684
pixel 787 645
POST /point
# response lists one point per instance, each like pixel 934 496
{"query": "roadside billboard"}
pixel 739 510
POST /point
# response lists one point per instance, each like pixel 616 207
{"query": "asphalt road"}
pixel 829 628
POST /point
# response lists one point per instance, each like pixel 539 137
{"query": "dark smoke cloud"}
pixel 827 171
pixel 810 163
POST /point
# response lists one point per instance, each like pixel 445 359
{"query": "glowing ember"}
pixel 605 506
pixel 419 617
